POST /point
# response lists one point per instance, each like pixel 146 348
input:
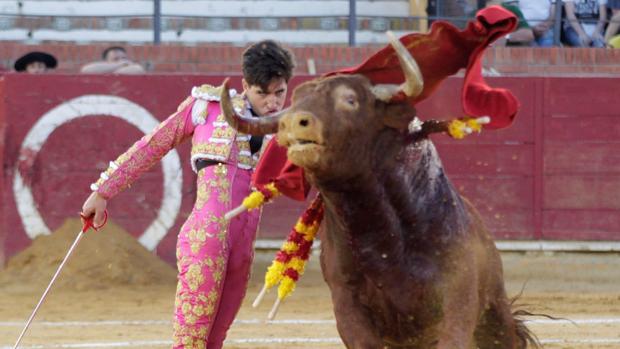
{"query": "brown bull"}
pixel 408 260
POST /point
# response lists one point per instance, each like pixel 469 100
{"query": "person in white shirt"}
pixel 540 15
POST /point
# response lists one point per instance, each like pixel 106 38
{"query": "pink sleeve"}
pixel 146 152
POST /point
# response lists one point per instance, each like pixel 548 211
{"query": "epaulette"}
pixel 208 93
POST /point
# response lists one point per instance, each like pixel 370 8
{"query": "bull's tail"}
pixel 527 338
pixel 503 326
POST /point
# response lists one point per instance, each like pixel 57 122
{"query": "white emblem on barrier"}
pixel 93 105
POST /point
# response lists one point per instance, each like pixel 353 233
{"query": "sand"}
pixel 115 291
pixel 106 258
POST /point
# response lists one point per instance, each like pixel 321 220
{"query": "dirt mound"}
pixel 107 258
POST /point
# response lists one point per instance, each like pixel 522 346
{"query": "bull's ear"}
pixel 396 116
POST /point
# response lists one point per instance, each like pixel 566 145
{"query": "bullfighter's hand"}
pixel 95 205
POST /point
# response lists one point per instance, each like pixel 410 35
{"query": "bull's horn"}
pixel 414 83
pixel 254 126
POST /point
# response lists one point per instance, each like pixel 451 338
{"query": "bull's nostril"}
pixel 303 122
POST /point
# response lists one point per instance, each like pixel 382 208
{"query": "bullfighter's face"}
pixel 266 101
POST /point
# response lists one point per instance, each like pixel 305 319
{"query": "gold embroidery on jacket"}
pixel 218 150
pixel 202 116
pixel 243 145
pixel 219 144
pixel 239 103
pixel 223 132
pixel 247 161
pixel 210 90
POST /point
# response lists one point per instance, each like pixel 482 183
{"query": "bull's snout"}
pixel 297 122
pixel 299 128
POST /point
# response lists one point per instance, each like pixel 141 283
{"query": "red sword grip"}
pixel 89 221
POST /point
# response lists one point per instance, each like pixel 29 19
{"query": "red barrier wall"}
pixel 207 58
pixel 552 175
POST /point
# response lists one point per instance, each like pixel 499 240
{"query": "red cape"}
pixel 274 167
pixel 440 53
pixel 443 52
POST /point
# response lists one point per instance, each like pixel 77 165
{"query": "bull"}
pixel 408 261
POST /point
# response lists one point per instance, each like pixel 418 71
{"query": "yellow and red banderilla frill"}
pixel 290 261
pixel 255 200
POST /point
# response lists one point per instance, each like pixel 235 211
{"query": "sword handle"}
pixel 89 221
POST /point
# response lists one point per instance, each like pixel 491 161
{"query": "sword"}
pixel 88 223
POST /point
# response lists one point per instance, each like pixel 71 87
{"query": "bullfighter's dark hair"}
pixel 265 61
pixel 105 52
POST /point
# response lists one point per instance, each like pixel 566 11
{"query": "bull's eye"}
pixel 345 98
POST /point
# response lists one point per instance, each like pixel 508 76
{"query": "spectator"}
pixel 115 61
pixel 585 22
pixel 523 35
pixel 614 21
pixel 540 15
pixel 35 63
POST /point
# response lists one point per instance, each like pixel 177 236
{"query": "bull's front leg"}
pixel 353 320
pixel 461 308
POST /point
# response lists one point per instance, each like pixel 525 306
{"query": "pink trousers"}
pixel 214 259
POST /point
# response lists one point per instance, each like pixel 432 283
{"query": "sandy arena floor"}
pixel 582 287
